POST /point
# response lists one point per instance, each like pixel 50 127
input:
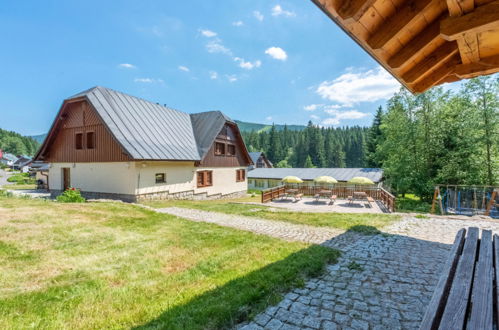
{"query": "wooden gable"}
pixel 79 117
pixel 423 43
pixel 228 136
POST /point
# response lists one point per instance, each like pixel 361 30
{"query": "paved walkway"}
pixel 308 204
pixel 380 282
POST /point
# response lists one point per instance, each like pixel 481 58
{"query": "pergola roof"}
pixel 423 43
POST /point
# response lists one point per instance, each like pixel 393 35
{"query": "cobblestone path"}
pixel 380 282
pixel 384 282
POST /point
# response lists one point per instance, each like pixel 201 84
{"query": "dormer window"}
pixel 219 149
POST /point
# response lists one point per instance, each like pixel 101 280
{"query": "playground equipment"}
pixel 467 200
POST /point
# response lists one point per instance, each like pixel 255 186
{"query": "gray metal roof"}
pixel 255 155
pixel 206 126
pixel 340 174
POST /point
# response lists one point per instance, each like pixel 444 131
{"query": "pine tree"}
pixel 373 140
pixel 308 162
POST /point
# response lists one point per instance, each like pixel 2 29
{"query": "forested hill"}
pixel 248 127
pixel 312 146
pixel 14 143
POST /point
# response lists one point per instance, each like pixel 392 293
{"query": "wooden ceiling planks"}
pixel 423 43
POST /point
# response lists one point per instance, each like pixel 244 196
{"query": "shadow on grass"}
pixel 242 298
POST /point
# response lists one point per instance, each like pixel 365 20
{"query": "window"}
pixel 231 150
pixel 160 178
pixel 79 141
pixel 90 140
pixel 219 149
pixel 259 183
pixel 240 175
pixel 205 179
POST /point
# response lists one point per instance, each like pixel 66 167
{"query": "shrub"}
pixel 71 195
pixel 5 193
pixel 21 178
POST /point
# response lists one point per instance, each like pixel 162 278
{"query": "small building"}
pixel 8 159
pixel 263 178
pixel 22 164
pixel 259 161
pixel 40 171
pixel 112 145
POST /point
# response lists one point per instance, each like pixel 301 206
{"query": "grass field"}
pixel 114 265
pixel 364 223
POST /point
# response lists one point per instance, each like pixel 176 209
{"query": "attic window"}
pixel 219 149
pixel 231 150
pixel 90 140
pixel 79 141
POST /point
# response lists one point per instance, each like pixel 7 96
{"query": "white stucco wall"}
pixel 116 177
pixel 138 178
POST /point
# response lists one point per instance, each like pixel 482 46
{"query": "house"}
pixel 259 160
pixel 263 178
pixel 40 171
pixel 22 164
pixel 8 159
pixel 112 145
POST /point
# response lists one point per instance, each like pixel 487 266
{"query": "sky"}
pixel 260 61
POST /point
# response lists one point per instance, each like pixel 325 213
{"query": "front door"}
pixel 66 178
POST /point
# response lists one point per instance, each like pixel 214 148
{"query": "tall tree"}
pixel 374 139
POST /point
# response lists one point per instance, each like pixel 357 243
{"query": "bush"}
pixel 21 178
pixel 5 193
pixel 71 195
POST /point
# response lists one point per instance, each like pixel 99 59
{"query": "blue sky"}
pixel 256 60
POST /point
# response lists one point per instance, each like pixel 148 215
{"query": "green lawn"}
pixel 364 223
pixel 19 186
pixel 115 265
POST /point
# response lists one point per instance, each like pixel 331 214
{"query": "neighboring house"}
pixel 40 171
pixel 8 159
pixel 22 164
pixel 112 145
pixel 263 178
pixel 259 160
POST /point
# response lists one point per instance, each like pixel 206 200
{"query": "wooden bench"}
pixel 467 291
pixel 370 200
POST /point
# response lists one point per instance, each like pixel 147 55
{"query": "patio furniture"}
pixel 332 199
pixel 467 291
pixel 289 193
pixel 298 197
pixel 371 201
pixel 324 193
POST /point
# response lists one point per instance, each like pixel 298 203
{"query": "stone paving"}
pixel 380 282
pixel 383 282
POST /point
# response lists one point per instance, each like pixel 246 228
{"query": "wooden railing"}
pixel 342 192
pixel 272 193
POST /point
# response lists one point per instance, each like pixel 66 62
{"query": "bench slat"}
pixel 496 257
pixel 457 303
pixel 482 293
pixel 435 308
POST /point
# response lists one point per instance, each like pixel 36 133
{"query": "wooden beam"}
pixel 440 55
pixel 448 79
pixel 485 66
pixel 408 12
pixel 354 9
pixel 460 7
pixel 433 78
pixel 468 48
pixel 483 18
pixel 416 45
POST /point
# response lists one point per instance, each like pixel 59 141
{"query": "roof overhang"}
pixel 423 43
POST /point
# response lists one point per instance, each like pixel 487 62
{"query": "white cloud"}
pixel 337 116
pixel 277 53
pixel 258 15
pixel 247 65
pixel 354 87
pixel 269 118
pixel 332 106
pixel 213 75
pixel 148 80
pixel 312 107
pixel 278 11
pixel 208 33
pixel 216 46
pixel 183 68
pixel 238 23
pixel 127 66
pixel 315 117
pixel 231 77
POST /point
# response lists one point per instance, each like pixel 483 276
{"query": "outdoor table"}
pixel 358 196
pixel 291 192
pixel 323 193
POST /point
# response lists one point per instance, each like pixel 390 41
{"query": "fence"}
pixel 377 193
